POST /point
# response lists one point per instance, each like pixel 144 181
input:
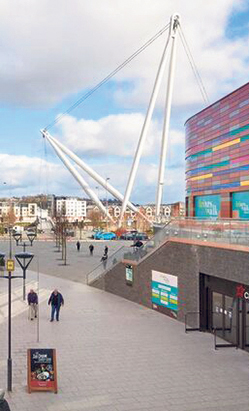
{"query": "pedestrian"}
pixel 106 251
pixel 56 300
pixel 33 304
pixel 91 248
pixel 78 246
pixel 4 406
pixel 104 260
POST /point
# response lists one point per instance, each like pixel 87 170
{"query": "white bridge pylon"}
pixel 60 149
pixel 171 41
pixel 77 175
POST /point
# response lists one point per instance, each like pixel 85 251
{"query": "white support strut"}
pixel 77 176
pixel 145 128
pixel 175 20
pixel 95 175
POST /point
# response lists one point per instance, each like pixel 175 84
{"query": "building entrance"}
pixel 224 307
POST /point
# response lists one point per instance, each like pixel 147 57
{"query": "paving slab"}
pixel 115 355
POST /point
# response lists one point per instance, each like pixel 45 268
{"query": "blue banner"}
pixel 207 206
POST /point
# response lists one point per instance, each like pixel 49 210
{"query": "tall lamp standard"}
pixel 10 268
pixel 106 180
pixel 24 258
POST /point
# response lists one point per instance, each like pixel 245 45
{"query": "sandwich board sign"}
pixel 42 371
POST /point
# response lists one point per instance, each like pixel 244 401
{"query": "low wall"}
pixel 186 261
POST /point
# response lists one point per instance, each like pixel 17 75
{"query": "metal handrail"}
pixel 101 264
pixel 231 231
pixel 135 255
pixel 186 322
pixel 223 345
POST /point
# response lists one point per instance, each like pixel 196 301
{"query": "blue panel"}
pixel 207 206
pixel 240 204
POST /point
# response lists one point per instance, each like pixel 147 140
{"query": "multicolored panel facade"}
pixel 217 159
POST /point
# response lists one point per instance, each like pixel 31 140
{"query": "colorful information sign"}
pixel 42 374
pixel 207 206
pixel 240 204
pixel 165 290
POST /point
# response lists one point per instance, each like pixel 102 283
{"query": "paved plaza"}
pixel 114 355
pixel 48 260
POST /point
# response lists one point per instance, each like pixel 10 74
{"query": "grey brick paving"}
pixel 114 355
pixel 78 263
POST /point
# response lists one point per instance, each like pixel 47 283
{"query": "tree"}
pixel 95 218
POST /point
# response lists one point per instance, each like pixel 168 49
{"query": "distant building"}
pixel 149 210
pixel 72 208
pixel 22 212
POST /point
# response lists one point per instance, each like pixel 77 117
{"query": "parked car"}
pixel 134 235
pixel 97 235
pixel 100 235
pixel 108 236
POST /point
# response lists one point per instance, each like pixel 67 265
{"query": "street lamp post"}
pixel 107 178
pixel 10 268
pixel 24 259
pixel 25 256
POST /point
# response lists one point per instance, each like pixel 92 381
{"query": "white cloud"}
pixel 38 176
pixel 25 175
pixel 115 135
pixel 52 49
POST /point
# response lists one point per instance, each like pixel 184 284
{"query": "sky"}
pixel 52 53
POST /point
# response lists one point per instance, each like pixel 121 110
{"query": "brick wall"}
pixel 186 262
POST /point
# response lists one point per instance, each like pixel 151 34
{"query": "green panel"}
pixel 244 138
pixel 209 150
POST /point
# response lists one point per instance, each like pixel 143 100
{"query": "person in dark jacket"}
pixel 91 248
pixel 78 246
pixel 106 251
pixel 33 304
pixel 4 406
pixel 56 300
pixel 104 260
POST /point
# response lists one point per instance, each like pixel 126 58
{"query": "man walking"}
pixel 78 246
pixel 56 300
pixel 91 248
pixel 33 304
pixel 4 406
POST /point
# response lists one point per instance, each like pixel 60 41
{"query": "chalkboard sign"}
pixel 42 372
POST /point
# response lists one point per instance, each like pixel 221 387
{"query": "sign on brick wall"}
pixel 165 290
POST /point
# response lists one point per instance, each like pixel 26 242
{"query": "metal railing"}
pixel 130 252
pixel 227 344
pixel 194 322
pixel 223 231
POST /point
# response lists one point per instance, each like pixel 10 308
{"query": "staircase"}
pixel 223 231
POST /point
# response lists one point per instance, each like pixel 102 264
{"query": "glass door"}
pixel 224 317
pixel 246 325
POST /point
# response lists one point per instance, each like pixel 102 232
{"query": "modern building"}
pixel 197 271
pixel 72 208
pixel 217 158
